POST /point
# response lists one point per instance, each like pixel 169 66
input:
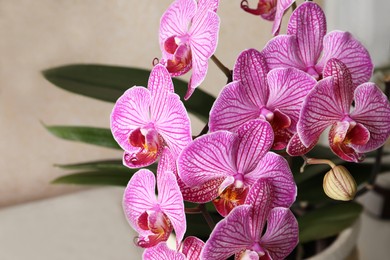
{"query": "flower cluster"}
pixel 280 98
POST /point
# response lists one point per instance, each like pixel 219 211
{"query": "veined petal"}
pixel 139 196
pixel 206 158
pixel 255 140
pixel 287 90
pixel 203 41
pixel 251 70
pixel 230 235
pixel 343 86
pixel 130 111
pixel 174 124
pixel 176 19
pixel 319 110
pixel 281 8
pixel 205 5
pixel 308 24
pixel 342 46
pixel 276 170
pixel 160 85
pixel 372 109
pixel 282 52
pixel 171 202
pixel 295 146
pixel 162 252
pixel 281 236
pixel 192 247
pixel 232 108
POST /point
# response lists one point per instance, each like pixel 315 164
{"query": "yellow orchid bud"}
pixel 339 184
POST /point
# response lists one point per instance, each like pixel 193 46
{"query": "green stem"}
pixel 223 68
pixel 207 216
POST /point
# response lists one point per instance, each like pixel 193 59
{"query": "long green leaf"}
pixel 95 165
pixel 108 83
pixel 90 135
pixel 115 178
pixel 327 221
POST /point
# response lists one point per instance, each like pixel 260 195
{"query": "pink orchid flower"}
pixel 353 132
pixel 241 232
pixel 144 121
pixel 188 38
pixel 276 97
pixel 190 249
pixel 154 218
pixel 272 10
pixel 232 162
pixel 301 48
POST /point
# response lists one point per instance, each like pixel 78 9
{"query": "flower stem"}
pixel 195 210
pixel 223 68
pixel 294 6
pixel 315 161
pixel 207 216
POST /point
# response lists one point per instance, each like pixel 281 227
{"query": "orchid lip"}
pixel 267 114
pixel 258 249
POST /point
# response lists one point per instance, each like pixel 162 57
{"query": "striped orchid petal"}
pixel 295 146
pixel 192 248
pixel 281 8
pixel 162 252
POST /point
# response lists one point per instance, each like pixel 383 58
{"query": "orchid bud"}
pixel 339 184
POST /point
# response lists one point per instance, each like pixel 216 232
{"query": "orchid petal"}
pixel 288 88
pixel 230 235
pixel 372 109
pixel 131 111
pixel 308 24
pixel 281 8
pixel 232 108
pixel 207 157
pixel 319 110
pixel 139 196
pixel 342 46
pixel 174 125
pixel 176 19
pixel 255 140
pixel 282 52
pixel 343 87
pixel 205 5
pixel 192 247
pixel 171 202
pixel 162 252
pixel 281 236
pixel 295 146
pixel 251 69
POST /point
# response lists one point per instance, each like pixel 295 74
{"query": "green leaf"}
pixel 327 221
pixel 95 165
pixel 90 135
pixel 108 177
pixel 108 83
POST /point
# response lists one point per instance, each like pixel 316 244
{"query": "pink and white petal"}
pixel 139 196
pixel 176 19
pixel 203 193
pixel 282 52
pixel 232 108
pixel 319 110
pixel 192 248
pixel 281 8
pixel 160 85
pixel 130 111
pixel 230 235
pixel 260 196
pixel 174 125
pixel 343 85
pixel 308 24
pixel 287 91
pixel 255 140
pixel 171 202
pixel 162 252
pixel 282 233
pixel 295 146
pixel 342 46
pixel 208 157
pixel 276 170
pixel 251 69
pixel 372 109
pixel 205 5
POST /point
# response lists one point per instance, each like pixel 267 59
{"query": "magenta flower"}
pixel 272 10
pixel 144 121
pixel 353 132
pixel 154 218
pixel 276 96
pixel 241 232
pixel 190 249
pixel 232 162
pixel 188 38
pixel 301 48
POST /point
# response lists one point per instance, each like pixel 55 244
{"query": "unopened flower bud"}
pixel 339 184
